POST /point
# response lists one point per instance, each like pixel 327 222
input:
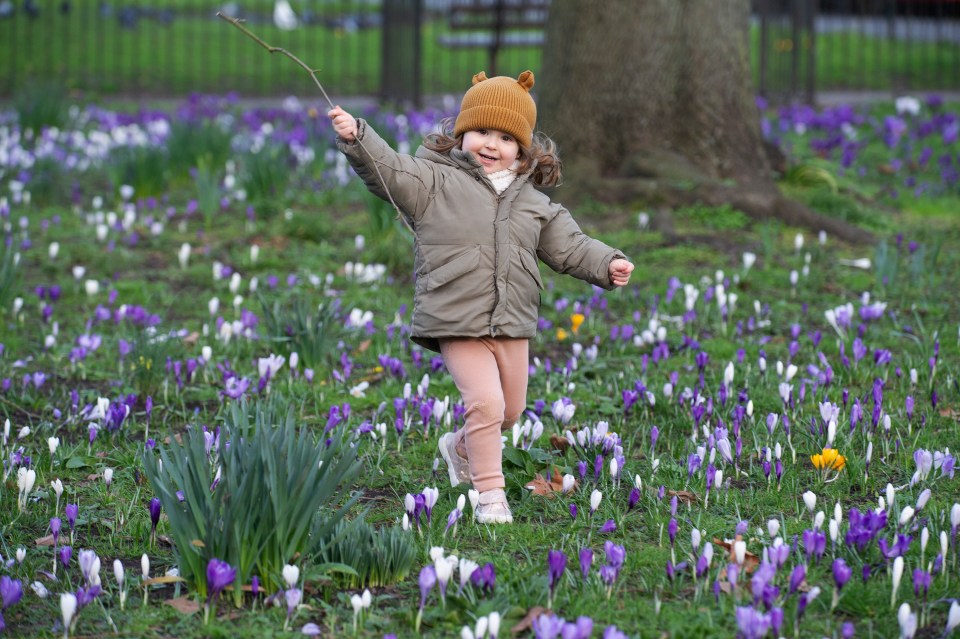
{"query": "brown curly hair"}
pixel 541 155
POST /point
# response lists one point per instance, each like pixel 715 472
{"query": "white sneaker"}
pixel 457 467
pixel 493 508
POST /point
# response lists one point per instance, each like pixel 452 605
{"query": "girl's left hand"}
pixel 620 270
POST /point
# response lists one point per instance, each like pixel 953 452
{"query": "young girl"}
pixel 479 225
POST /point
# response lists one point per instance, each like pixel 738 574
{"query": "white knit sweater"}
pixel 502 179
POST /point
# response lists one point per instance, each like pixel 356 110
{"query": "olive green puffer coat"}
pixel 476 252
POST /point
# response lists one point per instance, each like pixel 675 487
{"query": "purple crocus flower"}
pixel 921 582
pixel 11 591
pixel 608 575
pixel 427 580
pixel 484 577
pixel 796 577
pixel 672 530
pixel 556 564
pixel 608 526
pixel 154 514
pixel 573 510
pixel 615 554
pixel 633 499
pixel 66 552
pixel 586 561
pixel 752 623
pixel 841 572
pixel 220 574
pixel 547 626
pixel 55 530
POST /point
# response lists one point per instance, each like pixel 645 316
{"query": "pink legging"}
pixel 491 375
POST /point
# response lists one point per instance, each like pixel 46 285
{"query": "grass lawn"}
pixel 160 292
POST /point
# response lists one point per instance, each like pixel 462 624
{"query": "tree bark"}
pixel 651 100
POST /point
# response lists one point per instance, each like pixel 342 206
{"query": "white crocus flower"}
pixel 183 255
pixel 595 497
pixel 953 617
pixel 291 575
pixel 897 575
pixel 907 620
pixel 739 551
pixel 68 608
pixel 810 500
pixel 906 515
pixel 773 527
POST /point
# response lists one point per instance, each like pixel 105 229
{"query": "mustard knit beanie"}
pixel 499 103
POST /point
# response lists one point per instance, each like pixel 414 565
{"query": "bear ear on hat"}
pixel 480 77
pixel 525 80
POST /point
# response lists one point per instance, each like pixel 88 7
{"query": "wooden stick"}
pixel 238 23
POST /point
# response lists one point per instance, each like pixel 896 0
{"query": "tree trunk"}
pixel 651 100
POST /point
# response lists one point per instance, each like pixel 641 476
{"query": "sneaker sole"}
pixel 445 453
pixel 494 519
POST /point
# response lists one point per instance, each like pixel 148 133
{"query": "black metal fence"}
pixel 406 49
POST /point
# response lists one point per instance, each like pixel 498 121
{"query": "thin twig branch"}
pixel 238 23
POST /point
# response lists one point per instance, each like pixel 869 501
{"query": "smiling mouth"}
pixel 487 157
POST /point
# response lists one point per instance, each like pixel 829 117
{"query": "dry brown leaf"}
pixel 683 495
pixel 559 442
pixel 192 338
pixel 953 413
pixel 364 345
pixel 183 604
pixel 549 485
pixel 166 579
pixel 45 541
pixel 527 622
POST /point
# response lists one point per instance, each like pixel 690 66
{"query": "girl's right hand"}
pixel 344 124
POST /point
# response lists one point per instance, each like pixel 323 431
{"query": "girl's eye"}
pixel 506 138
pixel 482 131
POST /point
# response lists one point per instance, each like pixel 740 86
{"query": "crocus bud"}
pixel 740 551
pixel 906 515
pixel 494 621
pixel 107 476
pixel 818 519
pixel 68 607
pixel 568 482
pixel 118 572
pixel 595 498
pixel 897 575
pixel 474 497
pixel 837 512
pixel 891 494
pixel 953 617
pixel 923 498
pixel 810 499
pixel 145 566
pixel 773 527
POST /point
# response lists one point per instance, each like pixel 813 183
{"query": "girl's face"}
pixel 494 150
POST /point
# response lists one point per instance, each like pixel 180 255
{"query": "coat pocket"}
pixel 529 263
pixel 458 266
